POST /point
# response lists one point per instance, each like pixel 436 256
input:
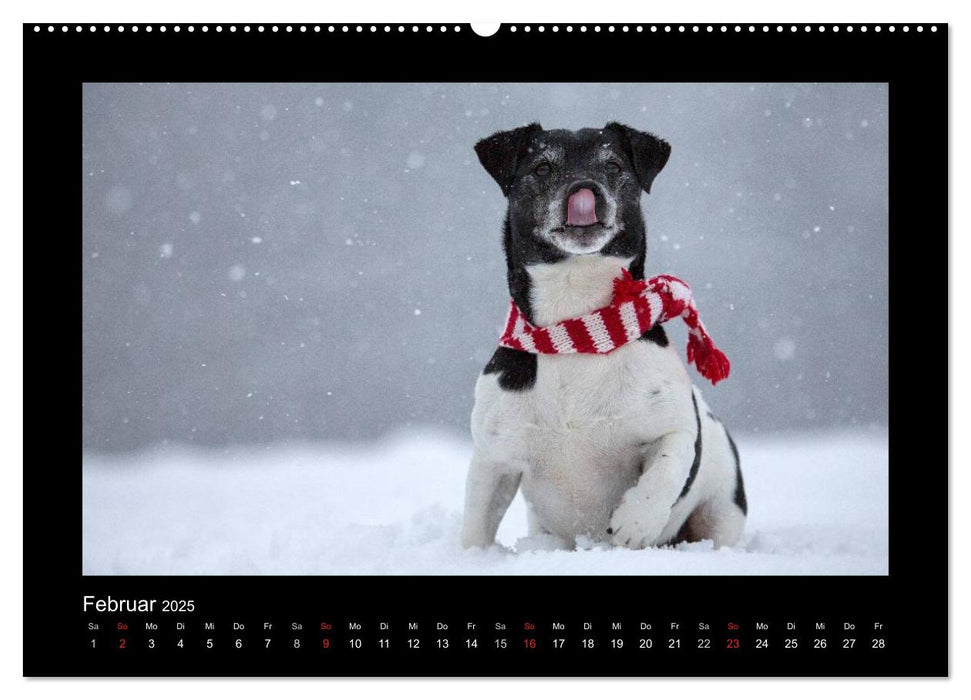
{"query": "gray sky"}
pixel 278 262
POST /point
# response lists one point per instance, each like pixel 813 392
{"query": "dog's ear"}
pixel 646 151
pixel 500 152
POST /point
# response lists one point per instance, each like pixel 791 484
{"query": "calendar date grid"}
pixel 138 635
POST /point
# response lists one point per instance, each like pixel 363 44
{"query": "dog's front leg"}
pixel 645 508
pixel 489 489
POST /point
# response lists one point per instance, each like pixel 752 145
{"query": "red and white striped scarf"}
pixel 637 305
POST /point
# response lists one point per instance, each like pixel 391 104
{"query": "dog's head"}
pixel 573 192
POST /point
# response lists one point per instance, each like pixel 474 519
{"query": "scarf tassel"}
pixel 710 361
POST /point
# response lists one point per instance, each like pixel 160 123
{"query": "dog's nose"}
pixel 581 208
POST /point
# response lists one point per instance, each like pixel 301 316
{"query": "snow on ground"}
pixel 818 504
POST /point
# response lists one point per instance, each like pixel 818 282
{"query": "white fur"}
pixel 576 442
pixel 573 287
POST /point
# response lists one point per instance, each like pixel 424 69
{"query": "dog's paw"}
pixel 637 522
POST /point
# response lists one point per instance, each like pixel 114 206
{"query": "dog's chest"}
pixel 588 416
pixel 579 434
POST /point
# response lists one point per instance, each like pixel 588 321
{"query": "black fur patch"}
pixel 655 334
pixel 511 157
pixel 697 463
pixel 648 153
pixel 517 369
pixel 739 496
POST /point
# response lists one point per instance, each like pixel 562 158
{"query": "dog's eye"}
pixel 543 169
pixel 612 167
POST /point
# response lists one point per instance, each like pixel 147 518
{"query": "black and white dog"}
pixel 616 447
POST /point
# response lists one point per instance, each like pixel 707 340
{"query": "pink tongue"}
pixel 581 210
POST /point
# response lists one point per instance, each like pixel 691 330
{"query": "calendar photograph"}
pixel 485 329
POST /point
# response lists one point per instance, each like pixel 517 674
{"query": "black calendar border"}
pixel 915 594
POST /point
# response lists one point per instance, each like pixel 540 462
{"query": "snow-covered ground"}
pixel 817 505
